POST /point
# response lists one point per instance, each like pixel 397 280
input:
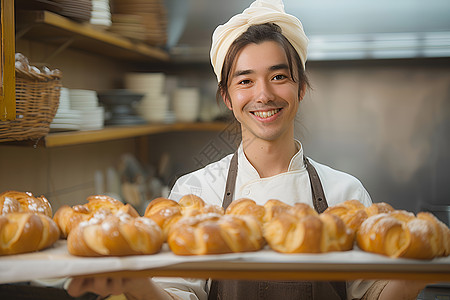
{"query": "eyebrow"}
pixel 279 67
pixel 271 68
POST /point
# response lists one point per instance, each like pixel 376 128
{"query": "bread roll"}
pixel 166 212
pixel 353 212
pixel 14 201
pixel 302 230
pixel 22 232
pixel 402 234
pixel 215 234
pixel 263 213
pixel 115 235
pixel 245 206
pixel 67 217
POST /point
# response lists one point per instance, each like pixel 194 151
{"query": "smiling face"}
pixel 261 92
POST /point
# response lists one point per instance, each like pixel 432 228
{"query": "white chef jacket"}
pixel 290 187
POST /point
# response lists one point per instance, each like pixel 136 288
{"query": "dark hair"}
pixel 257 34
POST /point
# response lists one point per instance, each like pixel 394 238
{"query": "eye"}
pixel 243 82
pixel 279 77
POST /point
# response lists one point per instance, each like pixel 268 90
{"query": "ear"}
pixel 302 92
pixel 227 100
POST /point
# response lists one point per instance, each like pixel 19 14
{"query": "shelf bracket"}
pixel 60 49
pixel 20 33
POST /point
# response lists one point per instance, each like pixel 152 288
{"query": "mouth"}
pixel 266 114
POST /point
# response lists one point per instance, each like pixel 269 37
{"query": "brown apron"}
pixel 259 290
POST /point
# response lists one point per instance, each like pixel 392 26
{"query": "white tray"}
pixel 265 264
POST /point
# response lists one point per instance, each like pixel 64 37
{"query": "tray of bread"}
pixel 104 235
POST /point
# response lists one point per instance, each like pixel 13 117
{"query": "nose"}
pixel 264 92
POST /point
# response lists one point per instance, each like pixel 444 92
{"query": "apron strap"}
pixel 319 200
pixel 231 181
pixel 318 195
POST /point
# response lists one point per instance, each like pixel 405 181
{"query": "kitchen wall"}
pixel 386 122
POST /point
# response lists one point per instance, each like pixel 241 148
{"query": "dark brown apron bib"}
pixel 285 290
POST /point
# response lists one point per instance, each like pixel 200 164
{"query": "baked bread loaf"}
pixel 22 232
pixel 301 230
pixel 192 205
pixel 166 212
pixel 115 235
pixel 263 213
pixel 245 207
pixel 402 234
pixel 215 234
pixel 69 217
pixel 14 201
pixel 353 212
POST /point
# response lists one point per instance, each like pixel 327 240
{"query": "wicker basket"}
pixel 37 99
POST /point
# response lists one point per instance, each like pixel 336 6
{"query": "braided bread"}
pixel 353 212
pixel 22 232
pixel 115 235
pixel 69 217
pixel 215 234
pixel 263 213
pixel 14 201
pixel 402 234
pixel 302 230
pixel 166 212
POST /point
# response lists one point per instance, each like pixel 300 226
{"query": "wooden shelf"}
pixel 121 132
pixel 52 28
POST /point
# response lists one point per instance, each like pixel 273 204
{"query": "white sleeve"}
pixel 185 288
pixel 357 288
pixel 181 189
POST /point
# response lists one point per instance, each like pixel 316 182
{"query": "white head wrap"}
pixel 259 12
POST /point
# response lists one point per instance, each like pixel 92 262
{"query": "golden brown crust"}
pixel 245 206
pixel 68 217
pixel 22 232
pixel 402 234
pixel 215 234
pixel 263 213
pixel 302 230
pixel 115 235
pixel 353 212
pixel 166 212
pixel 273 207
pixel 14 201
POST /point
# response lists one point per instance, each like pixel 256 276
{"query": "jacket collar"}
pixel 248 171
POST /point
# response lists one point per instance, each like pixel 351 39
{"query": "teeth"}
pixel 266 114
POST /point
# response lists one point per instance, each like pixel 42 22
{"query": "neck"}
pixel 270 158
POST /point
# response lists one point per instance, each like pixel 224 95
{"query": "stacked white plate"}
pixel 65 118
pixel 146 82
pixel 101 14
pixel 86 102
pixel 154 106
pixel 186 104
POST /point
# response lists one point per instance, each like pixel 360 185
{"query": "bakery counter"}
pixel 265 264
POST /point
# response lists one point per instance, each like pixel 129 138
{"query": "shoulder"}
pixel 341 186
pixel 330 173
pixel 202 181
